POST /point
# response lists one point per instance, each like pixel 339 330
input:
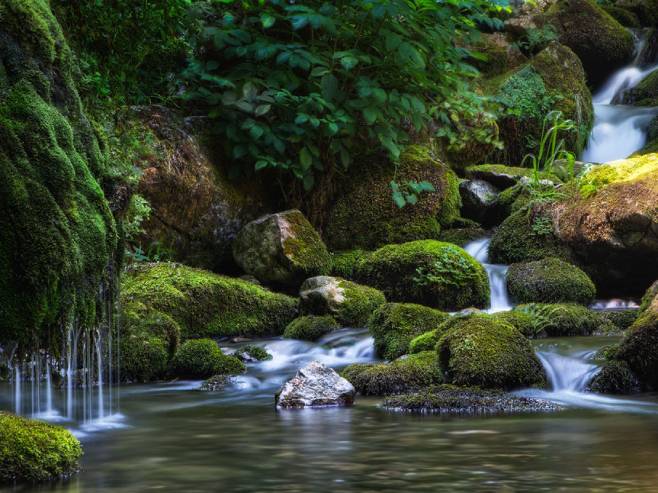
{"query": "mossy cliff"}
pixel 58 233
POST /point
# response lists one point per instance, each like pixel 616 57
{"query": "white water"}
pixel 497 274
pixel 619 130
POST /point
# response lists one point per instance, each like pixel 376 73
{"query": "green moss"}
pixel 402 375
pixel 564 319
pixel 394 325
pixel 429 272
pixel 615 377
pixel 344 263
pixel 204 304
pixel 524 236
pixel 359 304
pixel 366 216
pixel 251 352
pixel 482 351
pixel 424 342
pixel 202 358
pixel 649 297
pixel 645 10
pixel 521 321
pixel 462 236
pixel 59 235
pixel 310 327
pixel 620 319
pixel 628 170
pixel 305 248
pixel 32 451
pixel 144 357
pixel 549 280
pixel 625 17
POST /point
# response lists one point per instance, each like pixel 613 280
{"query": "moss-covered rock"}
pixel 402 375
pixel 424 342
pixel 59 237
pixel 601 43
pixel 521 321
pixel 645 10
pixel 526 235
pixel 394 325
pixel 310 327
pixel 615 377
pixel 624 16
pixel 564 319
pixel 281 248
pixel 503 176
pixel 482 351
pixel 620 319
pixel 549 280
pixel 462 236
pixel 365 216
pixel 429 272
pixel 202 358
pixel 251 352
pixel 645 93
pixel 32 451
pixel 351 304
pixel 144 357
pixel 344 263
pixel 500 54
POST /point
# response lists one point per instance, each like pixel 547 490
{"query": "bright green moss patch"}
pixel 402 375
pixel 424 342
pixel 625 170
pixel 344 263
pixel 251 352
pixel 310 327
pixel 428 272
pixel 520 320
pixel 394 325
pixel 144 357
pixel 32 451
pixel 202 358
pixel 564 319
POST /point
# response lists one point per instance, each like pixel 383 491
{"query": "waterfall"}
pixel 619 130
pixel 567 373
pixel 497 274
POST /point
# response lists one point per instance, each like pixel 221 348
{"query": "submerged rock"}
pixel 281 248
pixel 449 400
pixel 315 385
pixel 215 384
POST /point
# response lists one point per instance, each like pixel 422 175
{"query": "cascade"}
pixel 497 274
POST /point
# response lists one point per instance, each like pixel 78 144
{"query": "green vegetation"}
pixel 251 352
pixel 429 272
pixel 202 358
pixel 402 375
pixel 32 451
pixel 615 377
pixel 344 263
pixel 564 319
pixel 310 327
pixel 394 325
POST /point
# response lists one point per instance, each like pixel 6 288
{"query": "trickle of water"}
pixel 497 274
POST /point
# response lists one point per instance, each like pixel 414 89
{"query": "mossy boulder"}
pixel 144 357
pixel 463 235
pixel 281 248
pixel 424 342
pixel 344 263
pixel 564 319
pixel 645 10
pixel 549 280
pixel 615 377
pixel 645 93
pixel 202 358
pixel 601 43
pixel 365 216
pixel 351 304
pixel 310 327
pixel 522 321
pixel 428 272
pixel 624 16
pixel 500 54
pixel 620 319
pixel 612 225
pixel 251 353
pixel 482 351
pixel 32 451
pixel 405 374
pixel 394 325
pixel 58 247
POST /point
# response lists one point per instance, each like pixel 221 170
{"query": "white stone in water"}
pixel 322 294
pixel 315 385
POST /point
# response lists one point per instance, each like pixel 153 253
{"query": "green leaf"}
pixel 370 115
pixel 262 109
pixel 329 85
pixel 267 20
pixel 305 158
pixel 398 198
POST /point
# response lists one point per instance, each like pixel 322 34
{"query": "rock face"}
pixel 196 211
pixel 281 248
pixel 315 385
pixel 349 303
pixel 479 199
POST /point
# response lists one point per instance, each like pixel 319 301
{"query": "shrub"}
pixel 202 358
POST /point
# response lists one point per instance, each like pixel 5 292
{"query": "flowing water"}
pixel 619 130
pixel 497 274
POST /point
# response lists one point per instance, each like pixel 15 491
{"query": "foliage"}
pixel 202 358
pixel 563 319
pixel 536 39
pixel 302 88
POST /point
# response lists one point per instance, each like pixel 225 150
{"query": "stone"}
pixel 281 248
pixel 315 385
pixel 479 199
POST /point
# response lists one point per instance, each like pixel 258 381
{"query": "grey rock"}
pixel 479 198
pixel 315 385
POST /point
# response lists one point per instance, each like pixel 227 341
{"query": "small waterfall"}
pixel 619 130
pixel 567 373
pixel 497 274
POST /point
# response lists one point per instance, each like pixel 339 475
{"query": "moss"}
pixel 252 352
pixel 564 319
pixel 524 236
pixel 344 263
pixel 394 325
pixel 32 451
pixel 645 10
pixel 482 351
pixel 462 236
pixel 202 358
pixel 620 319
pixel 305 248
pixel 310 327
pixel 424 342
pixel 615 377
pixel 649 297
pixel 204 304
pixel 59 235
pixel 625 17
pixel 366 216
pixel 429 272
pixel 359 304
pixel 618 172
pixel 402 375
pixel 521 321
pixel 549 280
pixel 144 357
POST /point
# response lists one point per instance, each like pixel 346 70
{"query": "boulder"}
pixel 281 248
pixel 643 94
pixel 310 327
pixel 351 304
pixel 394 325
pixel 202 358
pixel 564 319
pixel 479 200
pixel 624 16
pixel 602 44
pixel 428 272
pixel 615 377
pixel 252 354
pixel 645 10
pixel 365 216
pixel 315 385
pixel 481 351
pixel 549 280
pixel 499 52
pixel 502 177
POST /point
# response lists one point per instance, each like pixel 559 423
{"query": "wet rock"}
pixel 215 384
pixel 315 385
pixel 479 199
pixel 281 248
pixel 501 176
pixel 252 354
pixel 449 400
pixel 615 378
